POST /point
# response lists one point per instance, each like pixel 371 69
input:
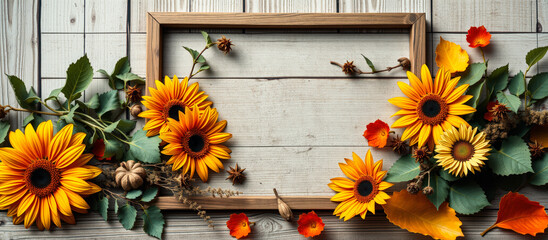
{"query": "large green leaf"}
pixel 79 76
pixel 404 169
pixel 516 86
pixel 498 80
pixel 107 102
pixel 113 148
pixel 448 176
pixel 149 194
pixel 122 66
pixel 20 90
pixel 4 130
pixel 540 167
pixel 511 101
pixel 535 55
pixel 512 158
pixel 538 86
pixel 126 125
pixel 102 207
pixel 474 73
pixel 93 102
pixel 467 197
pixel 133 194
pixel 127 215
pixel 475 91
pixel 154 222
pixel 128 77
pixel 145 149
pixel 441 189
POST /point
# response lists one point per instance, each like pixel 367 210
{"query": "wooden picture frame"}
pixel 158 21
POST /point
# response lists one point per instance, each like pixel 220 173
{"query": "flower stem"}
pixel 55 113
pixel 194 61
pixel 488 229
pixel 358 71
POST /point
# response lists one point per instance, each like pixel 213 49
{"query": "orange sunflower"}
pixel 168 100
pixel 43 177
pixel 364 188
pixel 431 107
pixel 194 142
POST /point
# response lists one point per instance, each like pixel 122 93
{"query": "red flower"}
pixel 99 150
pixel 478 37
pixel 377 133
pixel 238 225
pixel 310 224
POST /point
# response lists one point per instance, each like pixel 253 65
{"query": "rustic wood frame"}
pixel 157 21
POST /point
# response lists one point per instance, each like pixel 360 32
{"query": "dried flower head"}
pixel 421 154
pixel 413 188
pixel 130 175
pixel 400 147
pixel 135 110
pixel 236 174
pixel 405 63
pixel 495 111
pixel 349 68
pixel 535 117
pixel 133 94
pixel 536 149
pixel 224 44
pixel 3 112
pixel 427 190
pixel 184 181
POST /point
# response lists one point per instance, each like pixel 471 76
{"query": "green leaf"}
pixel 102 207
pixel 122 66
pixel 54 94
pixel 475 91
pixel 498 80
pixel 540 167
pixel 107 102
pixel 204 67
pixel 369 63
pixel 28 119
pixel 79 76
pixel 20 90
pixel 512 158
pixel 404 169
pixel 195 54
pixel 145 149
pixel 474 73
pixel 516 84
pixel 207 38
pixel 441 190
pixel 535 55
pixel 69 117
pixel 93 102
pixel 538 86
pixel 511 101
pixel 467 197
pixel 126 126
pixel 111 127
pixel 4 130
pixel 154 222
pixel 133 194
pixel 127 215
pixel 103 72
pixel 32 98
pixel 149 194
pixel 448 176
pixel 113 148
pixel 115 206
pixel 128 77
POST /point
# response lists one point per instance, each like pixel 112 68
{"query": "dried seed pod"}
pixel 427 190
pixel 349 68
pixel 405 63
pixel 130 175
pixel 413 188
pixel 135 110
pixel 283 208
pixel 224 44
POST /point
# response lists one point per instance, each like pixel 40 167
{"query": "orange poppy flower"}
pixel 478 37
pixel 310 224
pixel 99 150
pixel 238 225
pixel 377 133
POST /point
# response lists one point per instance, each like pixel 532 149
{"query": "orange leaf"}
pixel 539 133
pixel 451 56
pixel 417 214
pixel 519 214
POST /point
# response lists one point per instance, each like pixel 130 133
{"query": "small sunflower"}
pixel 194 142
pixel 168 100
pixel 431 107
pixel 359 195
pixel 43 177
pixel 462 151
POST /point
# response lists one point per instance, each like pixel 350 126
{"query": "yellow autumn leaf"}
pixel 417 214
pixel 451 56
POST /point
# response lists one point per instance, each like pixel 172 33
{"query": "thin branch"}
pixel 358 71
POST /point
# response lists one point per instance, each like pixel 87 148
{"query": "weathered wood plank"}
pixel 139 9
pixel 216 6
pixel 542 9
pixel 291 6
pixel 106 15
pixel 543 41
pixel 496 15
pixel 62 16
pixel 18 51
pixel 503 49
pixel 59 51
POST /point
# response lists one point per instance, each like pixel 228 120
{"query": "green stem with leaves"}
pixel 195 60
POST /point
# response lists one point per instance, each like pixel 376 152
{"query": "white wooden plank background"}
pixel 108 30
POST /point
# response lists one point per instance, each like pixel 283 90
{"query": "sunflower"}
pixel 167 101
pixel 43 177
pixel 359 195
pixel 194 142
pixel 430 108
pixel 462 151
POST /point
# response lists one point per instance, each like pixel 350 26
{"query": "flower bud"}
pixel 283 208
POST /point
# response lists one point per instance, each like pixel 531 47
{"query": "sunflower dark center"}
pixel 431 108
pixel 463 151
pixel 174 111
pixel 365 188
pixel 196 143
pixel 40 178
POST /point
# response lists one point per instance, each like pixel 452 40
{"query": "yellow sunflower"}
pixel 431 107
pixel 462 151
pixel 194 142
pixel 167 100
pixel 43 177
pixel 359 195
